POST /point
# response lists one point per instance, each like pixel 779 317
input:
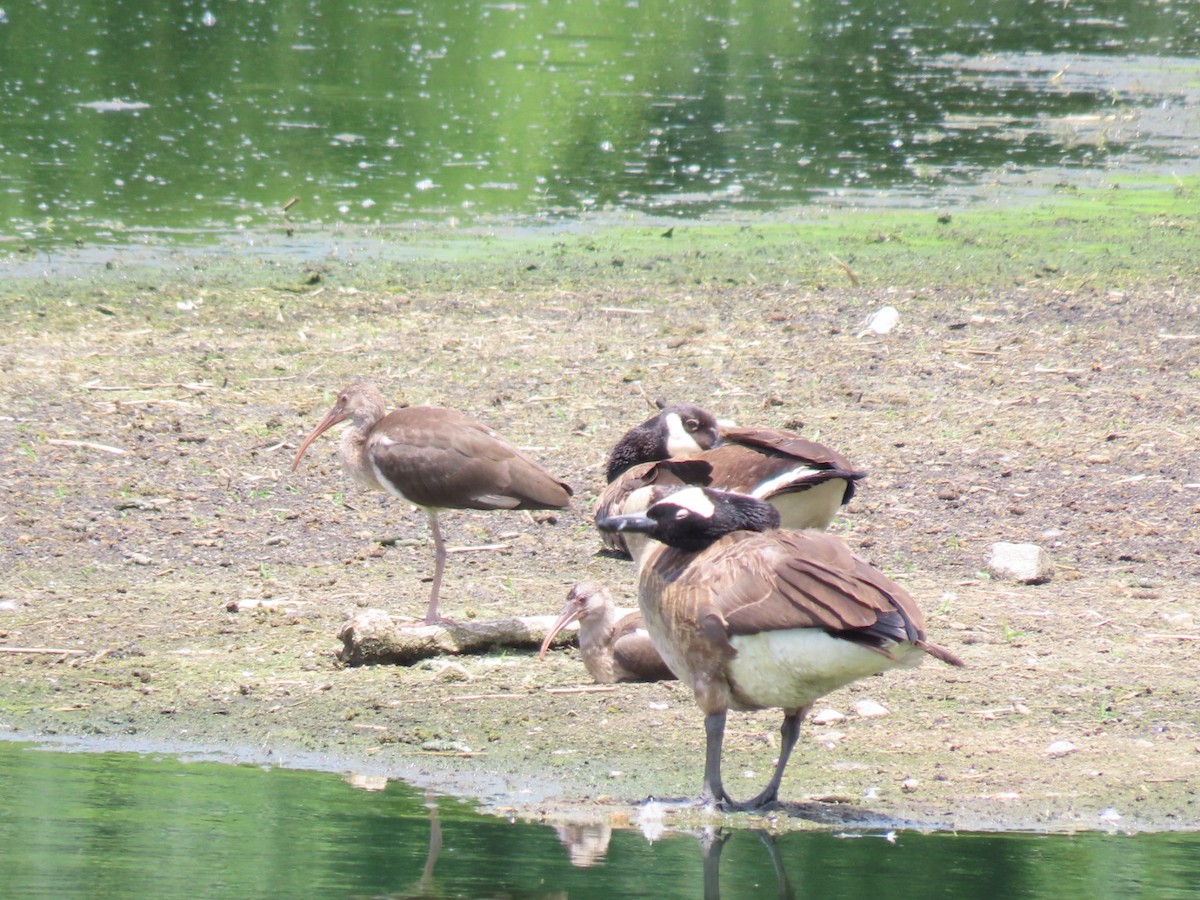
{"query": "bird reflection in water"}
pixel 712 843
pixel 586 842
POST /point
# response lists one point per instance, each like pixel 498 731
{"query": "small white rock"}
pixel 908 785
pixel 1025 563
pixel 1060 748
pixel 881 321
pixel 826 717
pixel 868 709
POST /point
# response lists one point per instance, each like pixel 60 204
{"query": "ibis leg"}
pixel 439 566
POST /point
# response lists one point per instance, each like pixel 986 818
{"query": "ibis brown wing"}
pixel 634 652
pixel 442 458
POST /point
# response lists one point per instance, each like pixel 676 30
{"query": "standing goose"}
pixel 613 642
pixel 437 459
pixel 807 482
pixel 757 618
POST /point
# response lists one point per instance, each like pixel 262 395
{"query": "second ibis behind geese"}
pixel 613 642
pixel 752 617
pixel 434 458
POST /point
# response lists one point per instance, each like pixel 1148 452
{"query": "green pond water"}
pixel 126 825
pixel 120 120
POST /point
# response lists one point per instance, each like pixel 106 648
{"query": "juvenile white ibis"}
pixel 753 617
pixel 806 481
pixel 613 642
pixel 436 459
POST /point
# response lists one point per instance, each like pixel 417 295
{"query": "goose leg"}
pixel 714 731
pixel 439 566
pixel 789 731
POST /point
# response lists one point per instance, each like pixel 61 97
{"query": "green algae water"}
pixel 196 118
pixel 109 825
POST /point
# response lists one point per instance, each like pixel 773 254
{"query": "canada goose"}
pixel 614 642
pixel 676 430
pixel 753 617
pixel 807 482
pixel 434 458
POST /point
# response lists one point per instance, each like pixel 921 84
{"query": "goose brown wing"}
pixel 442 458
pixel 787 579
pixel 757 456
pixel 787 443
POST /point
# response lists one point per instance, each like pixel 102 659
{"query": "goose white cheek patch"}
pixel 694 499
pixel 679 442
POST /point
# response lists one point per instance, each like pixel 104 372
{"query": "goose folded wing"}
pixel 808 580
pixel 785 443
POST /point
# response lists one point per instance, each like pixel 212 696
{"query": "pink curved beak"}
pixel 335 415
pixel 572 611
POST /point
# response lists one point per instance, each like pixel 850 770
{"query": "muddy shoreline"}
pixel 195 588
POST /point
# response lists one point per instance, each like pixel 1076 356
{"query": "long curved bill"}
pixel 569 614
pixel 335 415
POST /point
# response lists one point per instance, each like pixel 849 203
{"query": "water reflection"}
pixel 124 825
pixel 122 116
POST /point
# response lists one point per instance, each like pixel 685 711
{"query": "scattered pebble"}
pixel 881 321
pixel 1024 563
pixel 249 604
pixel 452 672
pixel 868 709
pixel 826 717
pixel 1060 748
pixel 908 785
pixel 829 738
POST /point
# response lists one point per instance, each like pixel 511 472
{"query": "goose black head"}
pixel 676 430
pixel 691 518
